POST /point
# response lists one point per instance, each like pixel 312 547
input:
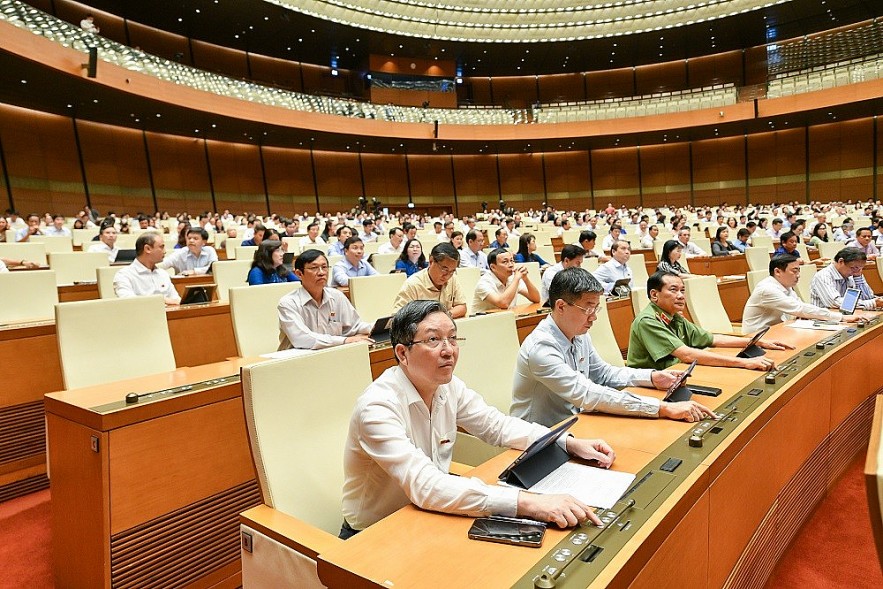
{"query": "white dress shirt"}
pixel 546 281
pixel 305 242
pixel 611 271
pixel 386 248
pixel 399 452
pixel 771 303
pixel 368 237
pixel 183 259
pixel 490 284
pixel 555 378
pixel 828 287
pixel 870 250
pixel 106 249
pixel 470 259
pixel 343 271
pixel 135 280
pixel 691 250
pixel 306 325
pixel 51 231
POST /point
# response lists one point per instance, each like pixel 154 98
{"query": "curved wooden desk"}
pixel 724 522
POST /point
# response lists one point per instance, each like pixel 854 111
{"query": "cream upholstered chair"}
pixel 113 352
pixel 762 242
pixel 83 237
pixel 702 243
pixel 385 263
pixel 229 274
pixel 245 252
pixel 755 276
pixel 638 267
pixel 590 264
pixel 71 267
pixel 230 245
pixel 639 299
pixel 32 252
pixel 758 258
pixel 253 310
pixel 105 275
pixel 54 243
pixel 468 279
pixel 804 253
pixel 828 249
pixel 547 252
pixel 807 271
pixel 533 272
pixel 880 266
pixel 373 296
pixel 28 295
pixel 488 375
pixel 603 339
pixel 297 458
pixel 705 306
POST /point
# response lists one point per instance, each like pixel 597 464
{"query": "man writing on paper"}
pixel 559 373
pixel 774 299
pixel 402 433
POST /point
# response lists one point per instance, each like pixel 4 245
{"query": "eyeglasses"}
pixel 316 268
pixel 435 342
pixel 587 312
pixel 444 269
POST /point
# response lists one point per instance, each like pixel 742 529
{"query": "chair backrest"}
pixel 758 258
pixel 705 306
pixel 54 243
pixel 533 272
pixel 807 271
pixel 590 264
pixel 298 435
pixel 804 253
pixel 373 296
pixel 755 276
pixel 71 267
pixel 105 275
pixel 603 339
pixel 292 244
pixel 702 243
pixel 230 245
pixel 762 242
pixel 639 299
pixel 638 266
pixel 82 237
pixel 657 247
pixel 32 252
pixel 245 252
pixel 133 340
pixel 468 279
pixel 384 263
pixel 828 249
pixel 880 266
pixel 229 274
pixel 126 241
pixel 253 310
pixel 547 252
pixel 685 264
pixel 28 295
pixel 492 378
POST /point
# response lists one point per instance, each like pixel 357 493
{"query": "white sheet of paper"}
pixel 811 324
pixel 593 486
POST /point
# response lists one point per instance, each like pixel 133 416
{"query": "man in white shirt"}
pixel 774 300
pixel 142 277
pixel 368 234
pixel 617 268
pixel 88 24
pixel 865 242
pixel 32 228
pixel 396 242
pixel 315 317
pixel 352 264
pixel 445 236
pixel 650 237
pixel 311 239
pixel 559 373
pixel 498 289
pixel 57 229
pixel 691 250
pixel 776 230
pixel 403 430
pixel 107 243
pixel 471 256
pixel 571 255
pixel 196 258
pixel 830 283
pixel 611 238
pixel 844 233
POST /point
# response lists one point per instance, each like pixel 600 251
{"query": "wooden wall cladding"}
pixel 561 87
pixel 521 178
pixel 719 171
pixel 432 179
pixel 615 176
pixel 289 174
pixel 610 83
pixel 777 166
pixel 275 72
pixel 841 159
pixel 661 77
pixel 41 159
pixel 237 178
pixel 723 68
pixel 180 173
pixel 477 180
pixel 161 43
pixel 568 179
pixel 385 177
pixel 480 91
pixel 116 168
pixel 665 174
pixel 514 92
pixel 222 60
pixel 338 176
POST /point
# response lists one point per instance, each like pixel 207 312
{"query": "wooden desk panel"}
pixel 87 291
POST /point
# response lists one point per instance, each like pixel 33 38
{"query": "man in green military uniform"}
pixel 661 337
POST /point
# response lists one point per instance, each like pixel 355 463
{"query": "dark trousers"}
pixel 346 531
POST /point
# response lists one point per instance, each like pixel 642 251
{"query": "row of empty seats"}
pixel 829 76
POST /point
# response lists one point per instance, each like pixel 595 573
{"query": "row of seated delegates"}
pixel 829 285
pixel 267 266
pixel 616 268
pixel 472 255
pixel 316 316
pixel 500 286
pixel 721 245
pixel 437 282
pixel 196 258
pixel 402 433
pixel 144 277
pixel 559 373
pixel 352 264
pixel 660 336
pixel 774 300
pixel 107 239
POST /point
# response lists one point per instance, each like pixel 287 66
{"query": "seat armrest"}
pixel 289 531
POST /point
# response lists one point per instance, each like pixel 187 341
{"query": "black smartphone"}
pixel 508 531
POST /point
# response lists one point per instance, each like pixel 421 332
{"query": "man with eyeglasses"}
pixel 404 426
pixel 559 373
pixel 846 271
pixel 316 316
pixel 437 282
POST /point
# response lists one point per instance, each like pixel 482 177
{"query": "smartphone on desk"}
pixel 508 531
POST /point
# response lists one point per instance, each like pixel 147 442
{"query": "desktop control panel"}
pixel 134 398
pixel 578 559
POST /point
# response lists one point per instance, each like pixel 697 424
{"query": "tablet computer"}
pixel 534 449
pixel 850 301
pixel 677 391
pixel 195 294
pixel 752 350
pixel 380 331
pixel 124 257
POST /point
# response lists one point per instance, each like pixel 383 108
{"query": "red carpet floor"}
pixel 834 549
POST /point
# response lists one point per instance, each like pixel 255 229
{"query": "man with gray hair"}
pixel 404 426
pixel 142 277
pixel 559 373
pixel 437 282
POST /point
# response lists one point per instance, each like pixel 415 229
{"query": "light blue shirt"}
pixel 343 271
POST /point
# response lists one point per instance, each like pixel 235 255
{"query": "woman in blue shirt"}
pixel 412 259
pixel 267 266
pixel 527 245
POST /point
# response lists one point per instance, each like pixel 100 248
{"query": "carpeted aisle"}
pixel 835 548
pixel 26 542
